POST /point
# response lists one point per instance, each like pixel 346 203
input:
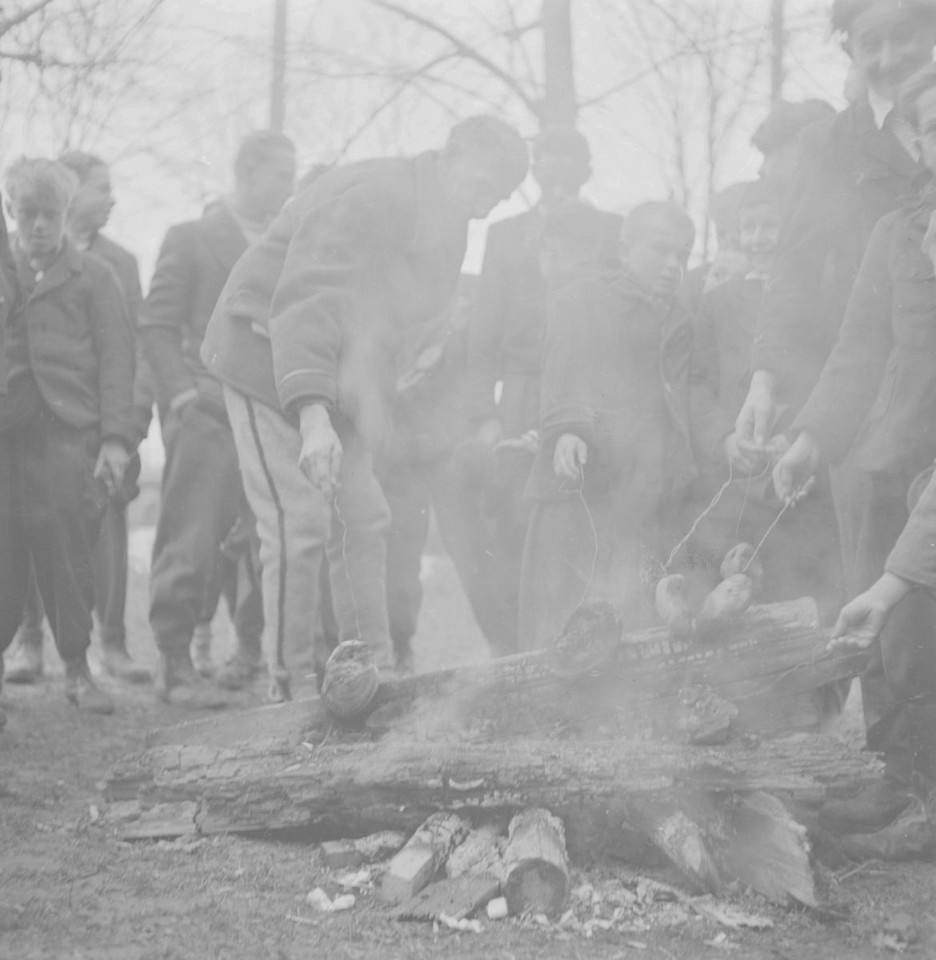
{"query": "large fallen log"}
pixel 764 662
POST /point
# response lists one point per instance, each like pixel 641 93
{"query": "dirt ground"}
pixel 68 889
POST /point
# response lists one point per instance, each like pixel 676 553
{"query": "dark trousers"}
pixel 899 685
pixel 110 561
pixel 201 497
pixel 50 513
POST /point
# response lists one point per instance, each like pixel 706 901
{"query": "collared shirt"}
pixel 884 112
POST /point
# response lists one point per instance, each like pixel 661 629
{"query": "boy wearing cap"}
pixel 65 420
pixel 303 339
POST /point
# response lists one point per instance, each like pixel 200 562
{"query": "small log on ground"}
pixel 417 864
pixel 775 651
pixel 537 864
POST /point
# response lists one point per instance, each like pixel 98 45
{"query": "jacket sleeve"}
pixel 326 288
pixel 114 348
pixel 710 423
pixel 791 331
pixel 914 555
pixel 566 401
pixel 851 378
pixel 166 314
pixel 486 330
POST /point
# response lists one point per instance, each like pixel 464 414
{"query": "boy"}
pixel 622 420
pixel 65 420
pixel 798 560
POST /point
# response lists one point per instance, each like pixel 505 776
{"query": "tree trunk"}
pixel 559 102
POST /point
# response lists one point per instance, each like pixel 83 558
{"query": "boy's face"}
pixel 474 182
pixel 926 125
pixel 760 232
pixel 40 224
pixel 93 201
pixel 560 178
pixel 657 258
pixel 888 45
pixel 271 183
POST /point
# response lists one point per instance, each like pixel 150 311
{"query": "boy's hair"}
pixel 81 163
pixel 786 120
pixel 650 214
pixel 912 89
pixel 845 12
pixel 767 190
pixel 42 179
pixel 257 148
pixel 491 135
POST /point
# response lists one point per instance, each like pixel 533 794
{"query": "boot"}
pixel 178 684
pixel 201 650
pixel 25 664
pixel 117 663
pixel 81 689
pixel 242 668
pixel 868 812
pixel 911 836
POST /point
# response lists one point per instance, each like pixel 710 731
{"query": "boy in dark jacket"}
pixel 873 409
pixel 65 420
pixel 622 423
pixel 304 338
pixel 798 559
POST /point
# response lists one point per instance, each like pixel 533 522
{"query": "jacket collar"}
pixel 67 264
pixel 879 145
pixel 227 239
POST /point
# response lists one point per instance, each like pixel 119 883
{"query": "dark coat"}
pixel 617 373
pixel 193 266
pixel 9 294
pixel 505 338
pixel 876 398
pixel 125 266
pixel 914 555
pixel 81 346
pixel 314 311
pixel 724 332
pixel 849 174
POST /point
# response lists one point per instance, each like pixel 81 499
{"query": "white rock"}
pixel 319 899
pixel 497 909
pixel 344 901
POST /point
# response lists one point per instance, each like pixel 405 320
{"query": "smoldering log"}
pixel 762 662
pixel 537 864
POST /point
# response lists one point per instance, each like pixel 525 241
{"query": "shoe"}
pixel 201 651
pixel 912 836
pixel 238 672
pixel 868 812
pixel 25 664
pixel 117 663
pixel 178 684
pixel 82 691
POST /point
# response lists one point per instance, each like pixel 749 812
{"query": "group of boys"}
pixel 324 375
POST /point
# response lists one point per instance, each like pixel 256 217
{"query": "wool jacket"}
pixel 81 345
pixel 849 174
pixel 914 555
pixel 876 398
pixel 313 313
pixel 9 294
pixel 617 373
pixel 193 266
pixel 127 269
pixel 505 338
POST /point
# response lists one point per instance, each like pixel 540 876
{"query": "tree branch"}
pixel 464 50
pixel 8 23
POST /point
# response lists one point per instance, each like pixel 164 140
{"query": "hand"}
pixel 570 457
pixel 756 418
pixel 320 456
pixel 111 465
pixel 795 472
pixel 862 620
pixel 490 433
pixel 744 456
